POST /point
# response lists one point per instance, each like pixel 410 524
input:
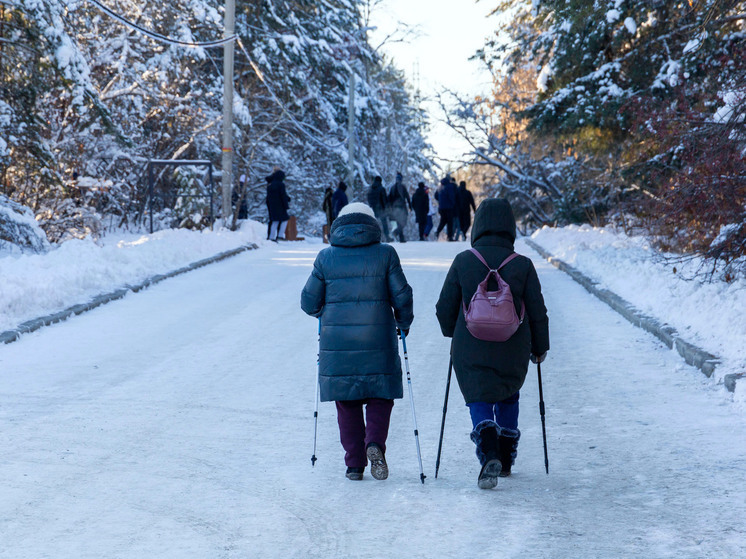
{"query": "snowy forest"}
pixel 629 112
pixel 87 101
pixel 624 111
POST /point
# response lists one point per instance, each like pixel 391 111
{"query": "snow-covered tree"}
pixel 93 90
pixel 636 106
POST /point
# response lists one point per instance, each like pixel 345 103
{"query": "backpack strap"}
pixel 508 259
pixel 483 261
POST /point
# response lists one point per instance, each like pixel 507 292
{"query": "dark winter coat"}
pixel 377 198
pixel 447 195
pixel 326 205
pixel 399 197
pixel 420 204
pixel 339 201
pixel 278 200
pixel 358 289
pixel 492 371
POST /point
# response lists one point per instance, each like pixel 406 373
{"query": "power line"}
pixel 218 43
pixel 159 37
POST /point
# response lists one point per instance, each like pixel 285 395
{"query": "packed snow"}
pixel 177 422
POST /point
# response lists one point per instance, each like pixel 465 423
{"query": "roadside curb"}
pixel 704 361
pixel 10 336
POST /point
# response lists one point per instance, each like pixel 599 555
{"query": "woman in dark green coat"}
pixel 359 291
pixel 491 374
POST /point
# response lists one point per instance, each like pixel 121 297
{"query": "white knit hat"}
pixel 357 208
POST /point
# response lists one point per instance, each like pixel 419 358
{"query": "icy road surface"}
pixel 177 423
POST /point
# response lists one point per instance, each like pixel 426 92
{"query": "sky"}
pixel 445 33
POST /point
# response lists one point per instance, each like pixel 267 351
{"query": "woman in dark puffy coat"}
pixel 358 290
pixel 491 374
pixel 278 203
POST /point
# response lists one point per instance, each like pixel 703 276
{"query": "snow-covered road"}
pixel 177 423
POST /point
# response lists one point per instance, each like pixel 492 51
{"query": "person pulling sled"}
pixel 490 373
pixel 359 292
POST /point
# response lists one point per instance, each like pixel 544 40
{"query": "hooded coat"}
pixel 278 200
pixel 359 291
pixel 492 371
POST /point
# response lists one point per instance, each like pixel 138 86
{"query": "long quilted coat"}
pixel 359 291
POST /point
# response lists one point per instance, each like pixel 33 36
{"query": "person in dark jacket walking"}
pixel 491 374
pixel 360 293
pixel 399 204
pixel 447 199
pixel 421 205
pixel 378 201
pixel 278 203
pixel 465 205
pixel 339 199
pixel 328 210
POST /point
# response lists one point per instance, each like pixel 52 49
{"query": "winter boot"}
pixel 355 474
pixel 485 436
pixel 378 467
pixel 508 441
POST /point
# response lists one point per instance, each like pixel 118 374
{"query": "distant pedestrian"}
pixel 360 293
pixel 491 374
pixel 421 205
pixel 447 199
pixel 278 203
pixel 328 209
pixel 465 205
pixel 400 204
pixel 378 201
pixel 339 199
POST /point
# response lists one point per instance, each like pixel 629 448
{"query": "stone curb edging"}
pixel 704 361
pixel 10 336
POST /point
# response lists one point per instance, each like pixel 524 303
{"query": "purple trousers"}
pixel 355 433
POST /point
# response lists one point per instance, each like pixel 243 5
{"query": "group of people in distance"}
pixel 360 294
pixel 391 208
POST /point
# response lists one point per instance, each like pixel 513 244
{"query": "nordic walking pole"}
pixel 316 410
pixel 445 408
pixel 543 421
pixel 411 401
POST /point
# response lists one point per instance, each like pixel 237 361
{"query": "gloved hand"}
pixel 538 358
pixel 406 332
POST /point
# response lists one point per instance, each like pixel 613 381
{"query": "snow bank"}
pixel 76 271
pixel 709 315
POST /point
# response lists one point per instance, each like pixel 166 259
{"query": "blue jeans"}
pixel 504 413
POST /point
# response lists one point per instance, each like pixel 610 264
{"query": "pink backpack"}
pixel 491 315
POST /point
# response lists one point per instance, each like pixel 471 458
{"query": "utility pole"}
pixel 351 131
pixel 230 28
